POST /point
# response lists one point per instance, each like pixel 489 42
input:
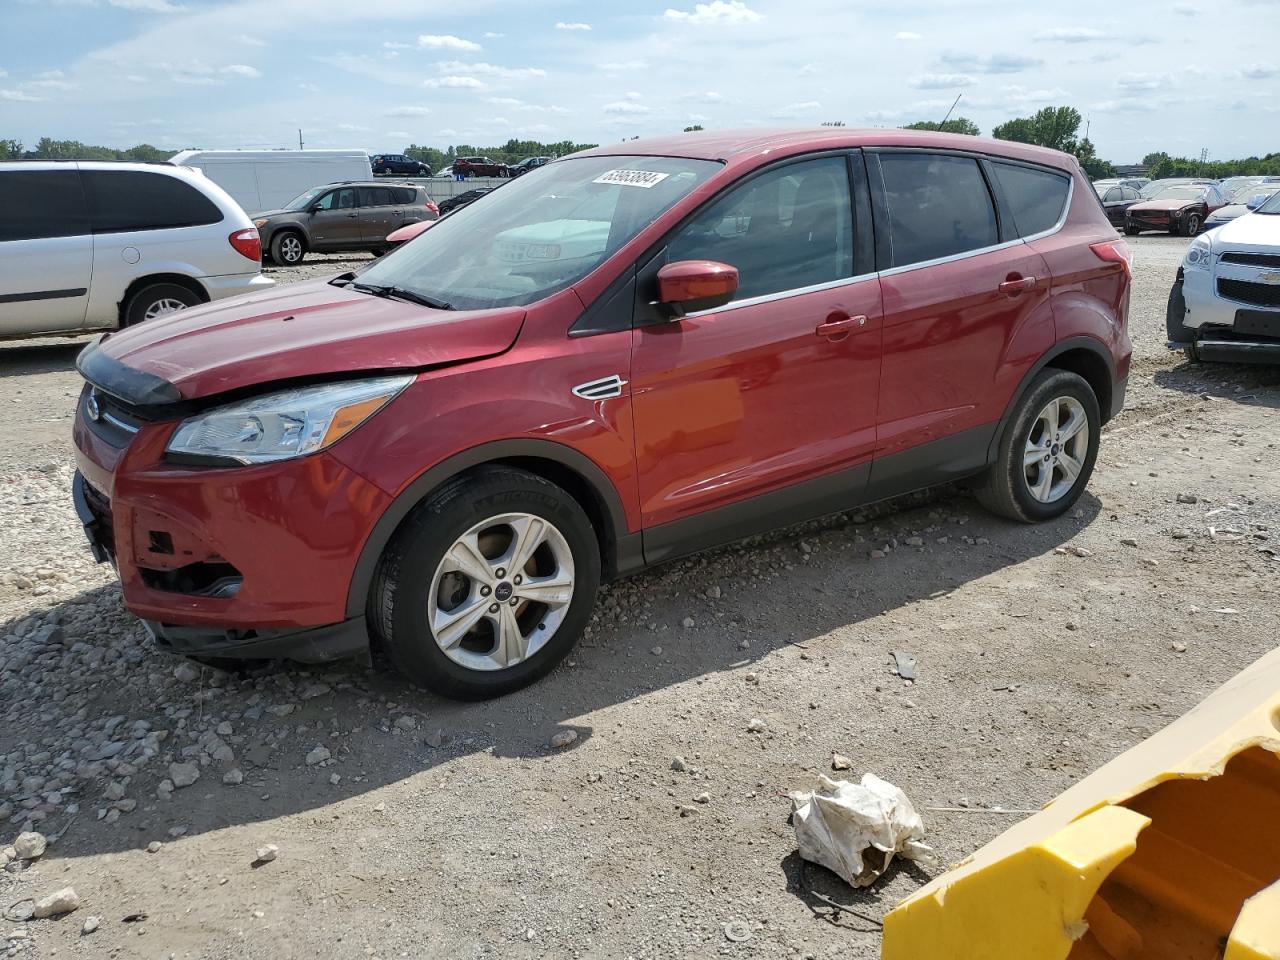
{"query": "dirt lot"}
pixel 439 829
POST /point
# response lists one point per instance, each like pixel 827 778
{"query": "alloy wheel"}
pixel 1056 449
pixel 291 249
pixel 501 591
pixel 163 306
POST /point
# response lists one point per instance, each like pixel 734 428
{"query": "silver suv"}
pixel 97 245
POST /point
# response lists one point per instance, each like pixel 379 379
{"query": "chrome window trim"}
pixel 117 422
pixel 906 268
pixel 1062 219
pixel 783 295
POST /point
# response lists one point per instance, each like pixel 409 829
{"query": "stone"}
pixel 313 690
pixel 656 651
pixel 679 765
pixel 687 623
pixel 184 774
pixel 756 725
pixel 563 738
pixel 56 904
pixel 406 722
pixel 686 810
pixel 1128 542
pixel 90 925
pixel 737 932
pixel 841 762
pixel 266 853
pixel 224 729
pixel 30 845
pixel 713 593
pixel 318 755
pixel 233 778
pixel 153 846
pixel 1178 647
pixel 185 672
pixel 1188 498
pixel 703 797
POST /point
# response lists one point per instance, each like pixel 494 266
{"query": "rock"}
pixel 335 778
pixel 406 722
pixel 266 853
pixel 737 932
pixel 841 762
pixel 656 651
pixel 435 739
pixel 756 725
pixel 56 904
pixel 1177 647
pixel 30 845
pixel 1078 551
pixel 1180 533
pixel 679 765
pixel 153 846
pixel 878 554
pixel 318 755
pixel 233 778
pixel 713 593
pixel 313 690
pixel 687 622
pixel 185 672
pixel 224 729
pixel 184 774
pixel 1128 542
pixel 90 925
pixel 914 542
pixel 703 797
pixel 687 811
pixel 1188 498
pixel 563 738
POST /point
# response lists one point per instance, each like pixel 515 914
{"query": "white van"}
pixel 94 245
pixel 268 179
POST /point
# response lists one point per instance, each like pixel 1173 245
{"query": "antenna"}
pixel 948 116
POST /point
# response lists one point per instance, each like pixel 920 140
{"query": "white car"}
pixel 1246 198
pixel 98 245
pixel 1225 302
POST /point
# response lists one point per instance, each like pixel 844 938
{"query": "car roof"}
pixel 749 145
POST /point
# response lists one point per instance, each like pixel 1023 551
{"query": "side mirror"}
pixel 688 286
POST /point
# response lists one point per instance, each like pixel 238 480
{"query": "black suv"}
pixel 527 164
pixel 341 216
pixel 397 165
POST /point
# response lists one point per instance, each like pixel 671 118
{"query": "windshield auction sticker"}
pixel 632 178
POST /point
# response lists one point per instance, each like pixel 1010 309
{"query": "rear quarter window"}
pixel 37 204
pixel 405 194
pixel 1036 197
pixel 938 206
pixel 121 200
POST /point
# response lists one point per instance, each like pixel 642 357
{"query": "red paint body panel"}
pixel 714 409
pixel 744 400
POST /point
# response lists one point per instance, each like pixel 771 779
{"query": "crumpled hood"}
pixel 1250 231
pixel 307 329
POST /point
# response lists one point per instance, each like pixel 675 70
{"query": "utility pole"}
pixel 299 138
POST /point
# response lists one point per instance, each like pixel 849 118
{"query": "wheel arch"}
pixel 577 474
pixel 150 279
pixel 1082 355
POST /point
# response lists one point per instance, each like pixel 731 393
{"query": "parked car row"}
pixel 450 449
pixel 400 165
pixel 397 164
pixel 1180 205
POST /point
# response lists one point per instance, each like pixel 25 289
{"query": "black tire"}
pixel 152 297
pixel 1191 352
pixel 399 611
pixel 1191 225
pixel 288 248
pixel 1004 488
pixel 1131 231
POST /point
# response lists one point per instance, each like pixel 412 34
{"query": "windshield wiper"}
pixel 400 293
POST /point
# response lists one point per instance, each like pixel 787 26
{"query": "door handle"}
pixel 839 326
pixel 1016 285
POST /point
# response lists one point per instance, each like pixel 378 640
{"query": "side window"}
pixel 1113 195
pixel 939 206
pixel 1036 196
pixel 1128 193
pixel 123 200
pixel 41 203
pixel 789 228
pixel 404 194
pixel 375 197
pixel 344 199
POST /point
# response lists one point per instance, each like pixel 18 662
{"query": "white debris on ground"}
pixel 856 829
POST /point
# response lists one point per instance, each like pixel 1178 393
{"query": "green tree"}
pixel 10 149
pixel 954 125
pixel 833 123
pixel 1053 127
pixel 695 127
pixel 1094 167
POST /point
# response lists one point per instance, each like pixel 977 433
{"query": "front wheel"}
pixel 287 248
pixel 1131 231
pixel 1191 225
pixel 487 585
pixel 1046 454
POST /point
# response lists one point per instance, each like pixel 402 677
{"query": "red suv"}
pixel 646 350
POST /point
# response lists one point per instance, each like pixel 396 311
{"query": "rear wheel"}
pixel 1047 453
pixel 487 585
pixel 158 300
pixel 287 248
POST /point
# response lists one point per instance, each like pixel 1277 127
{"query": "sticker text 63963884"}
pixel 631 178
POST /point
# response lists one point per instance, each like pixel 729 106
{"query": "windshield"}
pixel 1249 191
pixel 1271 206
pixel 304 200
pixel 540 233
pixel 1185 191
pixel 1102 186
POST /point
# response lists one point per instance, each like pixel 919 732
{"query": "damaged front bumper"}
pixel 1171 850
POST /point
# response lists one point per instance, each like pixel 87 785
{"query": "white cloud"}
pixel 1258 71
pixel 717 11
pixel 625 107
pixel 408 112
pixel 19 96
pixel 397 45
pixel 809 69
pixel 795 109
pixel 1017 94
pixel 455 83
pixel 490 70
pixel 516 104
pixel 396 133
pixel 249 41
pixel 940 81
pixel 494 36
pixel 907 35
pixel 1136 82
pixel 995 63
pixel 1123 106
pixel 624 66
pixel 242 70
pixel 309 87
pixel 561 25
pixel 435 41
pixel 1069 35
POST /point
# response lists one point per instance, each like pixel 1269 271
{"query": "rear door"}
pixel 958 286
pixel 335 221
pixel 46 250
pixel 764 409
pixel 379 213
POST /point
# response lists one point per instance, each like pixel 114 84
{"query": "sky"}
pixel 1174 76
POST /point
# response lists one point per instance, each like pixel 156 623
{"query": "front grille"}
pixel 1243 291
pixel 1252 259
pixel 115 423
pixel 100 507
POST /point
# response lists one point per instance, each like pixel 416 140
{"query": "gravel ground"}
pixel 408 826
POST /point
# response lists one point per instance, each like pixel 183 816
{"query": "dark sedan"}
pixel 462 199
pixel 527 164
pixel 1177 209
pixel 1116 200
